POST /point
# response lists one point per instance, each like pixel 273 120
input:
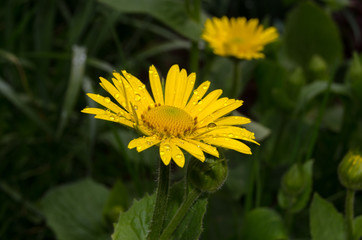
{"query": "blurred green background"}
pixel 304 99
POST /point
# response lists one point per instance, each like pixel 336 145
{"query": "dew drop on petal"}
pixel 107 99
pixel 116 96
pixel 167 147
pixel 162 153
pixel 178 156
pixel 137 97
pixel 211 125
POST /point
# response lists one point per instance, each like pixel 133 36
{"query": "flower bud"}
pixel 350 171
pixel 207 176
pixel 293 181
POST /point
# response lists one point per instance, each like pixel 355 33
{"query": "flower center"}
pixel 168 120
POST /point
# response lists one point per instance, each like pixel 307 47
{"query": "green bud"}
pixel 354 77
pixel 318 68
pixel 293 181
pixel 350 171
pixel 207 176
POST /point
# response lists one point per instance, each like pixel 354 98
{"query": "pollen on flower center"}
pixel 168 120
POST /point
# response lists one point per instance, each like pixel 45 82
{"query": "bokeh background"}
pixel 304 99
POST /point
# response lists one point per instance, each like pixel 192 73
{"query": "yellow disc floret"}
pixel 169 121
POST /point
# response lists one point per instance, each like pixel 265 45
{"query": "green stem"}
pixel 349 213
pixel 161 202
pixel 193 195
pixel 236 80
pixel 315 132
pixel 194 57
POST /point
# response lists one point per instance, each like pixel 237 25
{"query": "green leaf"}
pixel 264 223
pixel 326 223
pixel 310 31
pixel 133 224
pixel 117 202
pixel 74 211
pixel 312 90
pixel 170 12
pixel 357 228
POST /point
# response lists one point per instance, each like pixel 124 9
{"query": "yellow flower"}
pixel 238 37
pixel 179 117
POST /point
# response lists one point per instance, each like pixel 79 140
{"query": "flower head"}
pixel 174 118
pixel 238 37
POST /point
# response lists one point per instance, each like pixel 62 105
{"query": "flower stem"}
pixel 236 79
pixel 159 211
pixel 349 213
pixel 315 132
pixel 193 195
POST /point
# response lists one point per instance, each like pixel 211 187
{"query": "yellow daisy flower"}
pixel 238 37
pixel 177 118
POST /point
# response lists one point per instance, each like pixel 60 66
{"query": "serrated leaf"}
pixel 264 223
pixel 133 224
pixel 310 31
pixel 74 211
pixel 326 223
pixel 170 12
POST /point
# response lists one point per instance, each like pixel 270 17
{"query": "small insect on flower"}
pixel 238 37
pixel 180 117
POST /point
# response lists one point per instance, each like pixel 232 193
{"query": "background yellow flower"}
pixel 171 119
pixel 238 37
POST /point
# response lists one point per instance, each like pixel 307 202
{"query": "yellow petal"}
pixel 93 111
pixel 228 132
pixel 171 83
pixel 205 147
pixel 116 94
pixel 205 102
pixel 106 102
pixel 228 143
pixel 156 85
pixel 232 120
pixel 218 104
pixel 230 106
pixel 189 86
pixel 197 95
pixel 191 148
pixel 165 152
pixel 139 89
pixel 143 143
pixel 177 155
pixel 115 118
pixel 181 81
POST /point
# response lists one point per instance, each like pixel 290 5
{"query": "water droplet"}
pixel 211 125
pixel 167 147
pixel 204 87
pixel 135 107
pixel 196 92
pixel 116 96
pixel 112 118
pixel 142 87
pixel 178 156
pixel 139 148
pixel 198 146
pixel 108 111
pixel 230 135
pixel 149 143
pixel 107 99
pixel 162 153
pixel 137 97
